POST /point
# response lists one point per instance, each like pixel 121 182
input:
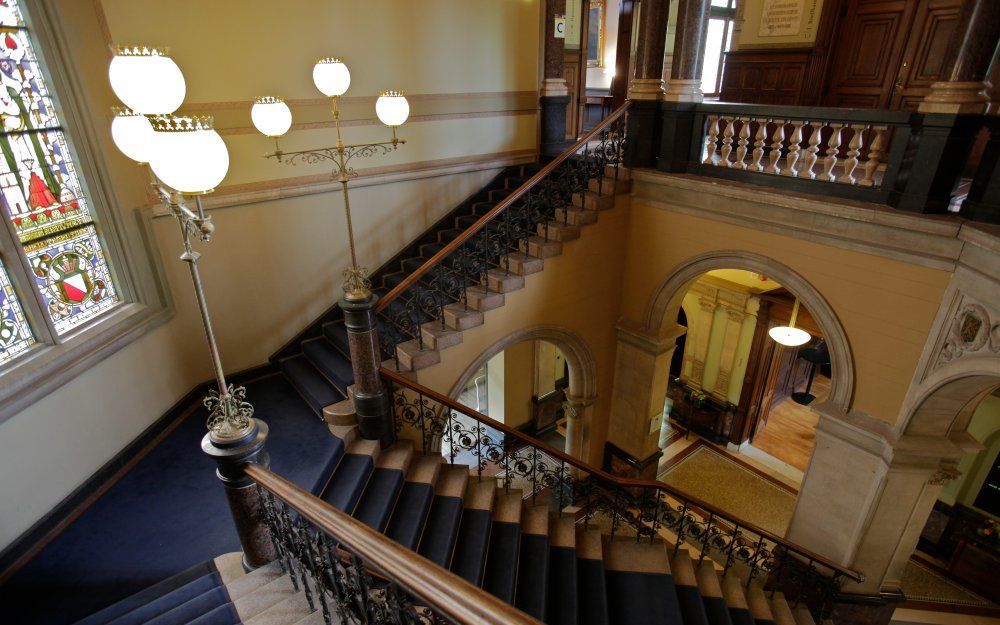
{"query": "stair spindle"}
pixel 833 145
pixel 710 140
pixel 727 144
pixel 811 151
pixel 777 139
pixel 741 149
pixel 794 146
pixel 758 146
pixel 853 151
pixel 874 155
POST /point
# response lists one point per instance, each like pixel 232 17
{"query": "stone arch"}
pixel 947 398
pixel 582 366
pixel 662 308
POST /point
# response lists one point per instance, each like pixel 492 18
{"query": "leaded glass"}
pixel 15 335
pixel 40 189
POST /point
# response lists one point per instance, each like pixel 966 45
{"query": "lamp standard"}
pixel 187 157
pixel 272 117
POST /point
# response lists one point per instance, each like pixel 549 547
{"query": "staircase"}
pixel 545 562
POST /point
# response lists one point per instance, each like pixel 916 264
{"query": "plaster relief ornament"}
pixel 971 331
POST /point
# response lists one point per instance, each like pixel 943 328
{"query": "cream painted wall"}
pixel 519 378
pixel 886 306
pixel 985 428
pixel 496 399
pixel 272 266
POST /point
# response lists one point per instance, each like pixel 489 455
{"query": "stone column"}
pixel 244 500
pixel 685 73
pixel 962 86
pixel 578 413
pixel 554 93
pixel 642 372
pixel 646 86
pixel 730 345
pixel 371 400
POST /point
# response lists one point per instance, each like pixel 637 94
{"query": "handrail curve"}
pixel 443 591
pixel 497 210
pixel 618 481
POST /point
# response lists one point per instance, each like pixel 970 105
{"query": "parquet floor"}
pixel 791 429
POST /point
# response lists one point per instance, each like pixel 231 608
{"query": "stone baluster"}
pixel 758 146
pixel 833 144
pixel 711 139
pixel 812 150
pixel 741 149
pixel 777 139
pixel 874 155
pixel 792 159
pixel 853 151
pixel 727 144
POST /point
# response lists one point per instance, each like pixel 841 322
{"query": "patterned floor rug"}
pixel 922 583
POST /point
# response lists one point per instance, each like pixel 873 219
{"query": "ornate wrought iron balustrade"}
pixel 357 576
pixel 640 510
pixel 465 263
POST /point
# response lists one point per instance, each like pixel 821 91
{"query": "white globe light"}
pixel 190 156
pixel 392 108
pixel 789 336
pixel 146 80
pixel 331 76
pixel 271 116
pixel 133 135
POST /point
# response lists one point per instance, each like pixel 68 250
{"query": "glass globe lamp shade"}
pixel 392 108
pixel 271 116
pixel 133 135
pixel 331 76
pixel 146 80
pixel 789 336
pixel 190 156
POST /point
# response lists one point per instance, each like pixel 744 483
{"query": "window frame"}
pixel 728 14
pixel 54 360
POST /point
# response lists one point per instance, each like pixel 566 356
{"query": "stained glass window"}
pixel 15 335
pixel 40 189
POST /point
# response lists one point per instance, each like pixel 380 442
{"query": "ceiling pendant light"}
pixel 789 335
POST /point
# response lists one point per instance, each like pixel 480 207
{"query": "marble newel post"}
pixel 689 43
pixel 646 87
pixel 232 455
pixel 371 400
pixel 962 86
pixel 554 93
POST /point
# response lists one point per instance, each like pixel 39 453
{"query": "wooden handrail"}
pixel 492 214
pixel 435 586
pixel 615 480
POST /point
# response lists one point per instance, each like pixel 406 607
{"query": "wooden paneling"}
pixel 571 72
pixel 764 76
pixel 933 25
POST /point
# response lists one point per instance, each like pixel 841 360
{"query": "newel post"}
pixel 371 400
pixel 232 456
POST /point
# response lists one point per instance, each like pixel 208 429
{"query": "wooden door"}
pixel 890 51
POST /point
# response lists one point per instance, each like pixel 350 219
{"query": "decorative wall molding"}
pixel 971 330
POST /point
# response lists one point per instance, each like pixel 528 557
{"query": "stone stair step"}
pixel 557 231
pixel 540 248
pixel 533 563
pixel 289 611
pixel 735 596
pixel 576 216
pixel 624 173
pixel 760 607
pixel 482 299
pixel 458 317
pixel 260 599
pixel 712 597
pixel 781 611
pixel 591 201
pixel 436 337
pixel 328 360
pixel 341 413
pixel 412 356
pixel 803 616
pixel 441 530
pixel 472 544
pixel 563 601
pixel 640 587
pixel 310 383
pixel 592 586
pixel 688 595
pixel 522 264
pixel 502 282
pixel 610 186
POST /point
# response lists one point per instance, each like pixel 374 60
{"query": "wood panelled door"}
pixel 889 52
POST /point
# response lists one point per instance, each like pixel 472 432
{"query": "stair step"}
pixel 441 530
pixel 686 583
pixel 576 216
pixel 496 195
pixel 335 366
pixel 436 337
pixel 557 231
pixel 481 208
pixel 336 333
pixel 472 545
pixel 446 236
pixel 592 591
pixel 458 317
pixel 392 280
pixel 716 609
pixel 640 588
pixel 782 613
pixel 379 497
pixel 533 575
pixel 224 614
pixel 609 186
pixel 146 606
pixel 563 601
pixel 500 576
pixel 522 264
pixel 592 201
pixel 502 282
pixel 428 250
pixel 412 356
pixel 289 611
pixel 739 610
pixel 464 222
pixel 252 604
pixel 348 481
pixel 482 300
pixel 409 265
pixel 310 383
pixel 539 247
pixel 206 602
pixel 410 513
pixel 253 580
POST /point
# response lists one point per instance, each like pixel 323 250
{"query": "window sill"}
pixel 46 368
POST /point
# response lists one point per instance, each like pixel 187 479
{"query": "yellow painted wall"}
pixel 886 306
pixel 471 69
pixel 519 379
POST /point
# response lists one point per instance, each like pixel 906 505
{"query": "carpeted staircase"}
pixel 544 562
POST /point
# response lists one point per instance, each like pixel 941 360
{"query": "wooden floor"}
pixel 791 429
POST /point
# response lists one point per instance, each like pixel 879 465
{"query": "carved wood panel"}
pixel 933 25
pixel 571 72
pixel 764 77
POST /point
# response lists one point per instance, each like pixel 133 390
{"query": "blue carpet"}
pixel 164 516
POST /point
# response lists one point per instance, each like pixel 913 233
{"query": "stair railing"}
pixel 358 576
pixel 639 509
pixel 465 262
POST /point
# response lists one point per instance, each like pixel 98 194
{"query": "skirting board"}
pixel 46 529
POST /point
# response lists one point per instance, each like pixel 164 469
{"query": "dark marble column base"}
pixel 371 400
pixel 877 609
pixel 554 141
pixel 241 492
pixel 676 128
pixel 643 133
pixel 619 462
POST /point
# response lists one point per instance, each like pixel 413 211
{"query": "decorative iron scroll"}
pixel 645 512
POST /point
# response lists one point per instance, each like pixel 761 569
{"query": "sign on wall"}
pixel 560 26
pixel 781 18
